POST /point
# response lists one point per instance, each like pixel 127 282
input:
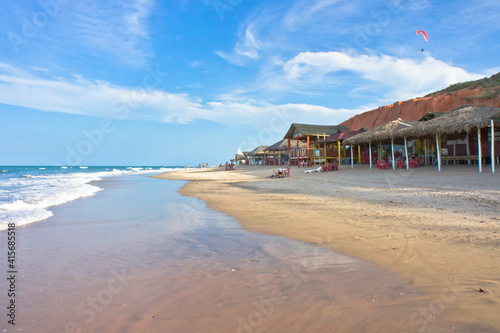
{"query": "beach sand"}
pixel 139 257
pixel 437 231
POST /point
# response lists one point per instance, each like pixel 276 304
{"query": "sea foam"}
pixel 26 197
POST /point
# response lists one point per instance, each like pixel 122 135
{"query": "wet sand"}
pixel 139 257
pixel 439 232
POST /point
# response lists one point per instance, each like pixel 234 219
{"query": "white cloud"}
pixel 103 99
pixel 303 11
pixel 391 77
pixel 119 29
pixel 247 48
pixel 40 69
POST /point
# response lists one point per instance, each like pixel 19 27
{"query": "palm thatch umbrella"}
pixel 460 120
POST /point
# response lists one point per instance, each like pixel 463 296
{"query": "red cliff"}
pixel 414 109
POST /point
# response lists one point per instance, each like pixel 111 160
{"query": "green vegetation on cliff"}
pixel 488 87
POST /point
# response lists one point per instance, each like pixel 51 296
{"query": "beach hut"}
pixel 240 158
pixel 382 134
pixel 257 156
pixel 278 152
pixel 331 148
pixel 307 134
pixel 467 125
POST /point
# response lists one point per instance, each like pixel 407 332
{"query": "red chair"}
pixel 381 164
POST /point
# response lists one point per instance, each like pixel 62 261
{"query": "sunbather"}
pixel 278 174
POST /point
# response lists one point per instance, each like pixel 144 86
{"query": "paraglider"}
pixel 423 34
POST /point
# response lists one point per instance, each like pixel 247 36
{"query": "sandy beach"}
pixel 439 232
pixel 139 257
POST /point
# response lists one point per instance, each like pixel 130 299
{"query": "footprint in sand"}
pixel 359 238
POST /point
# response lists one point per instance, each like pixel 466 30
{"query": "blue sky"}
pixel 146 82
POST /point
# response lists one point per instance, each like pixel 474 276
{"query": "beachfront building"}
pixel 389 147
pixel 278 153
pixel 307 134
pixel 469 133
pixel 240 158
pixel 329 149
pixel 257 156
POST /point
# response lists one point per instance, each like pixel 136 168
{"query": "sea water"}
pixel 27 192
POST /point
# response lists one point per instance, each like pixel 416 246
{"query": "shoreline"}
pixel 439 232
pixel 152 260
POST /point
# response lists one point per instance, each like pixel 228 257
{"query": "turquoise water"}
pixel 27 192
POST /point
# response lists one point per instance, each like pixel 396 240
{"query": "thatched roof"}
pixel 257 151
pixel 495 117
pixel 282 145
pixel 240 157
pixel 306 129
pixel 340 136
pixel 384 132
pixel 462 119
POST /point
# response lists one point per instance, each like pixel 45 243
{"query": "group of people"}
pixel 199 166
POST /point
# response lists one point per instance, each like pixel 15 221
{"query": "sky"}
pixel 184 82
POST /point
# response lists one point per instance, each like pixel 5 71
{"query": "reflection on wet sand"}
pixel 138 257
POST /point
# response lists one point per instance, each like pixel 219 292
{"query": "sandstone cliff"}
pixel 482 92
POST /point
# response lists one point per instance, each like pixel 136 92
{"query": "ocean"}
pixel 28 192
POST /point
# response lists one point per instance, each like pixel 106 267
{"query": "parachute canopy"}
pixel 423 34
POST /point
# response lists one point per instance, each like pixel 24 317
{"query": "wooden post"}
pixel 454 149
pixel 380 153
pixel 308 149
pixel 406 156
pixel 298 152
pixel 467 146
pixel 370 153
pixel 392 148
pixel 289 153
pixel 338 142
pixel 359 154
pixel 426 151
pixel 438 151
pixel 324 145
pixel 352 160
pixel 479 150
pixel 492 146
